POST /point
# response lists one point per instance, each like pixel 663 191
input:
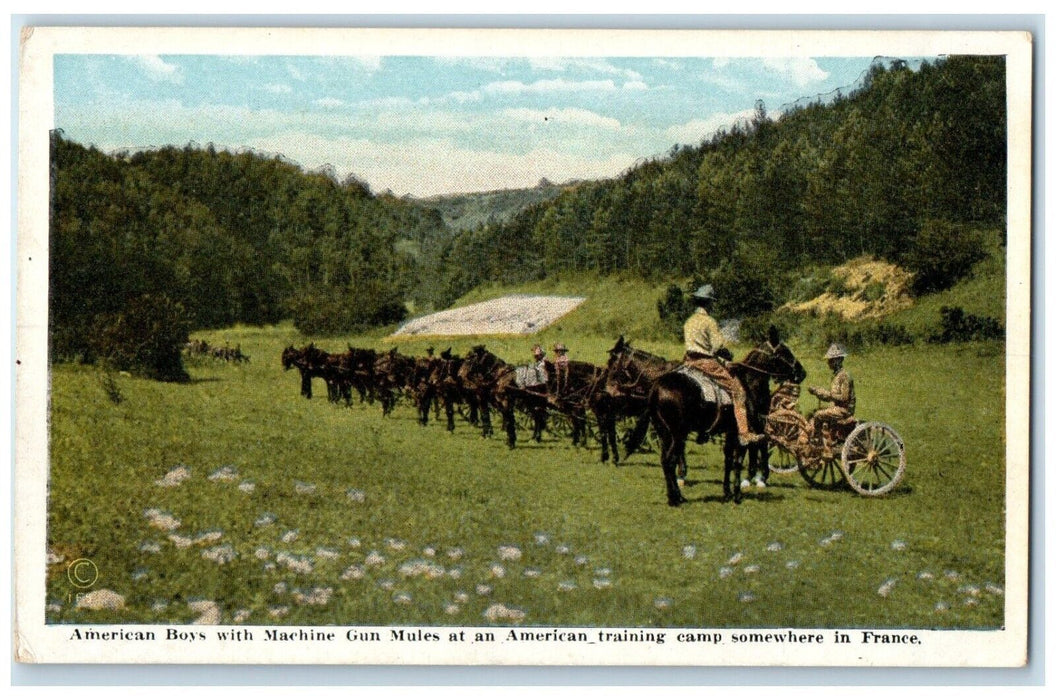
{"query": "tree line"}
pixel 877 171
pixel 904 167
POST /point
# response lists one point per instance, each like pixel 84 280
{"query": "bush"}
pixel 747 284
pixel 958 326
pixel 674 308
pixel 145 338
pixel 941 254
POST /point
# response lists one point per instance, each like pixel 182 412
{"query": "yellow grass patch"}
pixel 870 289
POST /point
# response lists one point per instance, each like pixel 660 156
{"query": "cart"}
pixel 868 456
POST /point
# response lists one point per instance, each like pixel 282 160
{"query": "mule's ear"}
pixel 773 336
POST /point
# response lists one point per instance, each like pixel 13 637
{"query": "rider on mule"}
pixel 561 367
pixel 704 340
pixel 840 394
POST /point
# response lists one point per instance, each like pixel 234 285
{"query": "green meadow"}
pixel 233 489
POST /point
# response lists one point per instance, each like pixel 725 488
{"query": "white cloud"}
pixel 699 129
pixel 572 115
pixel 802 71
pixel 158 70
pixel 278 88
pixel 328 102
pixel 512 87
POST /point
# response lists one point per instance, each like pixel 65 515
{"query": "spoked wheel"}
pixel 625 426
pixel 784 428
pixel 873 459
pixel 822 472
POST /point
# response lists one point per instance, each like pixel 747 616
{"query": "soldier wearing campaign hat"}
pixel 704 341
pixel 840 393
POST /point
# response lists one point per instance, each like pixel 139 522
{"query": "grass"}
pixel 377 507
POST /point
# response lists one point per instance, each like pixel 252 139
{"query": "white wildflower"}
pixel 264 520
pixel 498 611
pixel 791 564
pixel 952 575
pixel 328 553
pixel 296 564
pixel 374 559
pixel 290 536
pixel 247 487
pixel 541 538
pixel 386 584
pixel 208 536
pixel 395 544
pixel 689 551
pixel 225 473
pixel 603 571
pixel 175 476
pixel 352 573
pixel 455 572
pixel 451 609
pixel 746 597
pixel 508 552
pixel 356 496
pixel 317 596
pixel 140 574
pixel 971 602
pixel 278 611
pixel 240 616
pixel 562 549
pixel 602 583
pixel 925 576
pixel 454 553
pixel 581 560
pixel 51 558
pixel 566 586
pixel 160 519
pixel 994 589
pixel 774 547
pixel 180 541
pixel 886 587
pixel 150 547
pixel 429 552
pixel 735 559
pixel 942 606
pixel 751 569
pixel 497 570
pixel 461 597
pixel 898 545
pixel 969 590
pixel 662 603
pixel 421 567
pixel 262 553
pixel 483 589
pixel 303 488
pixel 402 598
pixel 532 572
pixel 159 606
pixel 279 588
pixel 208 612
pixel 725 572
pixel 354 542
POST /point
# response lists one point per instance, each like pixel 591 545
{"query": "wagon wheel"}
pixel 873 459
pixel 624 428
pixel 822 472
pixel 784 428
pixel 559 424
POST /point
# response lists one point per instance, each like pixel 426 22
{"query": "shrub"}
pixel 674 308
pixel 145 338
pixel 747 284
pixel 941 254
pixel 958 326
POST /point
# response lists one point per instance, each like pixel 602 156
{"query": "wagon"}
pixel 868 456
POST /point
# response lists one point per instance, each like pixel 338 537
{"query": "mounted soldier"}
pixel 705 346
pixel 561 367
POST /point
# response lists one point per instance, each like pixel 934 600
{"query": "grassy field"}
pixel 298 512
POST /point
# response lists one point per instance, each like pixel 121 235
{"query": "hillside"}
pixel 462 212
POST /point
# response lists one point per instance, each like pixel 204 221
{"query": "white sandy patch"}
pixel 102 599
pixel 517 314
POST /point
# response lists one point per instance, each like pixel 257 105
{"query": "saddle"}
pixel 529 376
pixel 710 391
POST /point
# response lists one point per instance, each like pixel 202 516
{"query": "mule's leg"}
pixel 306 385
pixel 673 456
pixel 510 423
pixel 449 410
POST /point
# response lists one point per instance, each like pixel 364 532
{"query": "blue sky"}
pixel 431 125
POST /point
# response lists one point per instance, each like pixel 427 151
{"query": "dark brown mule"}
pixel 677 408
pixel 449 388
pixel 493 384
pixel 310 361
pixel 575 391
pixel 393 373
pixel 630 376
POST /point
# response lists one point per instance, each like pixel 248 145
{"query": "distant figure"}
pixel 704 344
pixel 840 393
pixel 561 367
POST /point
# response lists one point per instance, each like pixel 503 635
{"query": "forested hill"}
pixel 229 237
pixel 468 211
pixel 863 174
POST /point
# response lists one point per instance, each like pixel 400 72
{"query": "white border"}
pixel 35 641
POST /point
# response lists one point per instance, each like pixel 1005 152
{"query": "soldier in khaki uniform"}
pixel 703 342
pixel 840 394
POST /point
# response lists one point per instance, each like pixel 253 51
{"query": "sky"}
pixel 426 125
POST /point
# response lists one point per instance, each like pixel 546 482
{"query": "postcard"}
pixel 537 347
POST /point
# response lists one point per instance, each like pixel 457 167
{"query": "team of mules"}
pixel 633 385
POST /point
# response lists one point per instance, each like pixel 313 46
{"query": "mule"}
pixel 677 408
